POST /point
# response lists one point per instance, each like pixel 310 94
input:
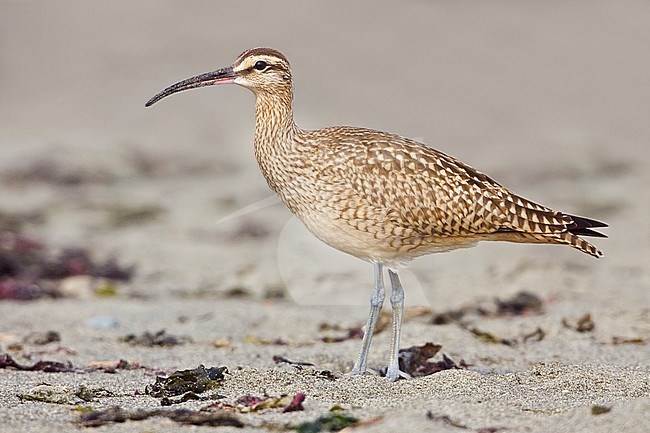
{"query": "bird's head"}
pixel 265 71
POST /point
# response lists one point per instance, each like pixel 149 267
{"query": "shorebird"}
pixel 378 196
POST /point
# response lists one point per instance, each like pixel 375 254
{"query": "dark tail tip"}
pixel 582 226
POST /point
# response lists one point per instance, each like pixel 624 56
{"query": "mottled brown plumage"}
pixel 378 196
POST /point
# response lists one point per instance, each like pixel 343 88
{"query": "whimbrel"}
pixel 380 197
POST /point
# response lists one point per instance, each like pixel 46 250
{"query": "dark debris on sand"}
pixel 599 410
pixel 278 359
pixel 30 269
pixel 487 337
pixel 583 324
pixel 159 338
pixel 522 303
pixel 47 393
pixel 384 323
pixel 296 403
pixel 627 340
pixel 252 403
pixel 414 361
pixel 302 367
pixel 6 361
pixel 40 338
pixel 519 304
pixel 444 419
pixel 196 380
pixel 355 333
pixel 116 414
pixel 327 423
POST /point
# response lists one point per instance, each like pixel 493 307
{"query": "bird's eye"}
pixel 260 65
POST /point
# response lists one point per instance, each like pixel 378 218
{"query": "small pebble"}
pixel 102 322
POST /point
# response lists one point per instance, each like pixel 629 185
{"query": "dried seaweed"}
pixel 90 394
pixel 275 292
pixel 536 335
pixel 281 359
pixel 29 354
pixel 583 324
pixel 115 414
pixel 267 342
pixel 29 269
pixel 488 337
pixel 249 400
pixel 196 380
pixel 628 340
pixel 448 421
pixel 167 401
pixel 318 374
pixel 296 403
pixel 522 303
pixel 77 261
pixel 26 290
pixel 47 393
pixel 454 316
pixel 599 410
pixel 356 332
pixel 160 338
pixel 445 420
pixel 383 323
pixel 237 292
pixel 414 361
pixel 326 374
pixel 6 361
pixel 40 338
pixel 330 422
pixel 251 403
pixel 350 334
pixel 112 366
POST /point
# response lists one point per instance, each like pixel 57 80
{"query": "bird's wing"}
pixel 427 191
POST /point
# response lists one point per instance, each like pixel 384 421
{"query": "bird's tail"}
pixel 581 227
pixel 578 243
pixel 542 225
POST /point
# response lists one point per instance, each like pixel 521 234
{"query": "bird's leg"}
pixel 397 302
pixel 376 301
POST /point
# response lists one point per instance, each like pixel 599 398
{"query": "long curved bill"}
pixel 222 76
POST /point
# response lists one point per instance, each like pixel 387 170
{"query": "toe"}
pixel 392 374
pixel 356 371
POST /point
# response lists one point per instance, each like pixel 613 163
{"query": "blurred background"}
pixel 552 99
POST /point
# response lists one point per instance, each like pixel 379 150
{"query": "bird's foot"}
pixel 393 373
pixel 356 371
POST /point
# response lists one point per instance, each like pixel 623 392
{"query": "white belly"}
pixel 375 247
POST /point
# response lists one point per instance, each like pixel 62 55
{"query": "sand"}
pixel 549 99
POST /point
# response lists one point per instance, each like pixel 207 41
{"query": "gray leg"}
pixel 397 302
pixel 376 301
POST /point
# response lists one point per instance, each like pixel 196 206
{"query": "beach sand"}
pixel 552 100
